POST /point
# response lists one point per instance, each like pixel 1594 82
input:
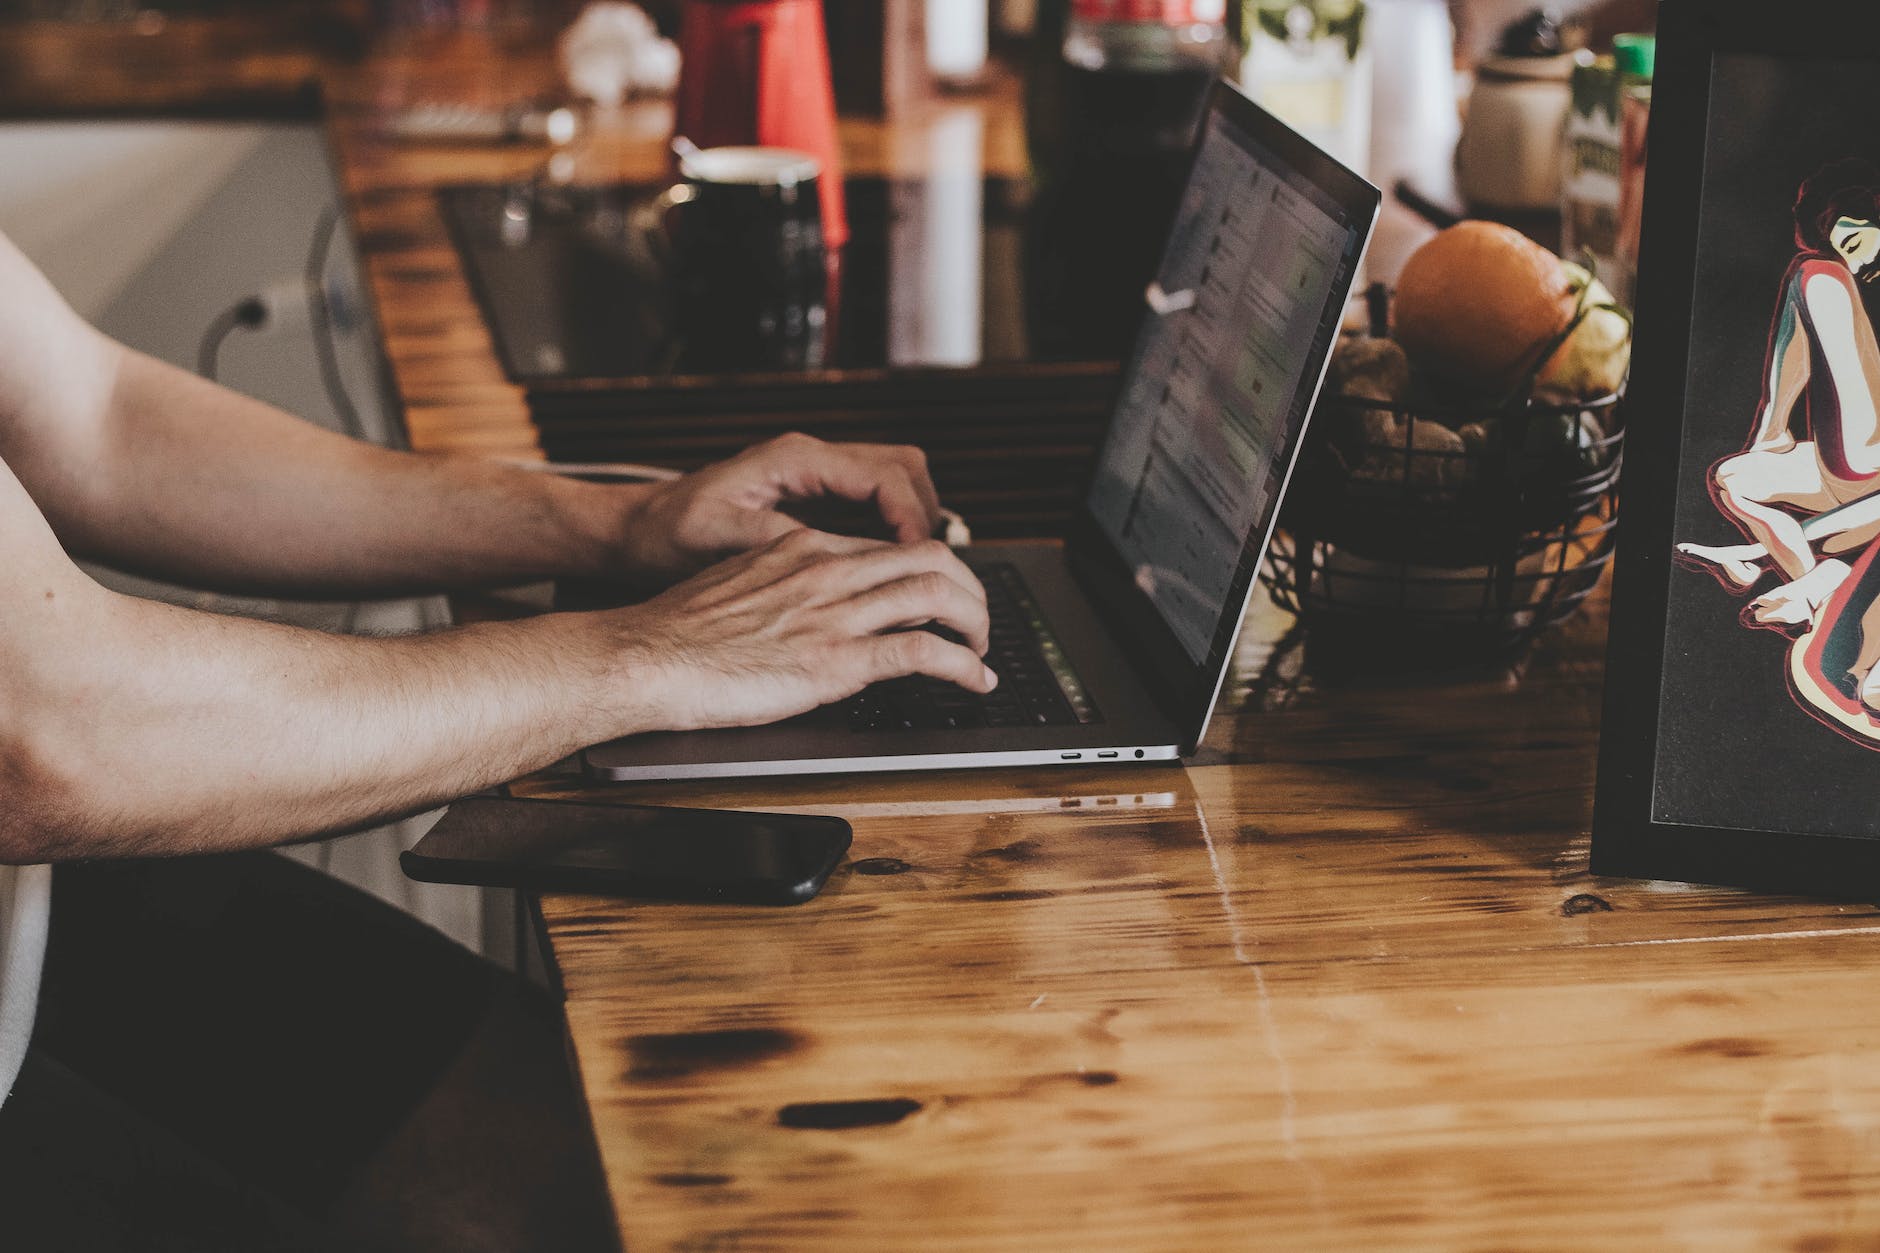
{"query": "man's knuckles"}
pixel 912 652
pixel 792 444
pixel 930 593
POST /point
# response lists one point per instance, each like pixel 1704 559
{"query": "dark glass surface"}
pixel 580 282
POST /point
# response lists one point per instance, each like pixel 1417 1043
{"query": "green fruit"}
pixel 1597 353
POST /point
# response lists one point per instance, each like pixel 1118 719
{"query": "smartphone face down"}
pixel 631 850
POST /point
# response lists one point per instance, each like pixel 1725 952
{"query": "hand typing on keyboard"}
pixel 1037 685
pixel 679 527
pixel 804 621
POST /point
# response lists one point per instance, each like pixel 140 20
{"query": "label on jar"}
pixel 1589 217
pixel 1167 12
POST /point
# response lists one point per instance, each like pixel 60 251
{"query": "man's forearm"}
pixel 135 727
pixel 130 726
pixel 200 485
pixel 175 731
pixel 144 466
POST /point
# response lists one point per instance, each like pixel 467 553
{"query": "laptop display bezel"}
pixel 1188 689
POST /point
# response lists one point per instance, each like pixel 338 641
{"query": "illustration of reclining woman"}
pixel 1787 495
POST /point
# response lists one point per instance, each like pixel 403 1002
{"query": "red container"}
pixel 757 72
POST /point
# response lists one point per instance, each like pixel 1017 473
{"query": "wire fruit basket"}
pixel 1431 535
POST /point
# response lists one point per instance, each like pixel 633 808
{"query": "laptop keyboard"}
pixel 1037 686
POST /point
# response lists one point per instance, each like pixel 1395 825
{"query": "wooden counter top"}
pixel 445 364
pixel 157 64
pixel 1343 983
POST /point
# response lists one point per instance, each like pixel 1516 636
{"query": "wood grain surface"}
pixel 1345 984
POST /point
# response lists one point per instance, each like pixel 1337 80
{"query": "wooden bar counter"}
pixel 1341 982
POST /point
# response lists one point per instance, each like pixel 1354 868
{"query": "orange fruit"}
pixel 1479 304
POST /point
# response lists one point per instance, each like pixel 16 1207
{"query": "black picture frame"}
pixel 1726 784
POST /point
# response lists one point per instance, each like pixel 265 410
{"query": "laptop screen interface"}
pixel 1223 376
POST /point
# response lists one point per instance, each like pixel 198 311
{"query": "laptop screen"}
pixel 1251 290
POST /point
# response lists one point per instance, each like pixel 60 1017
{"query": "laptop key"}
pixel 1052 712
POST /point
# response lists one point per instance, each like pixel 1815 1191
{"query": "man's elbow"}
pixel 42 799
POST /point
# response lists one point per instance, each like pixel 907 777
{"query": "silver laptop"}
pixel 1113 646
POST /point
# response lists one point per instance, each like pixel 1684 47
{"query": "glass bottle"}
pixel 1309 63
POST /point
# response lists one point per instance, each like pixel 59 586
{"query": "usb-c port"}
pixel 1073 756
pixel 1108 753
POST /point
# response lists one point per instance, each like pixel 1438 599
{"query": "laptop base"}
pixel 1133 726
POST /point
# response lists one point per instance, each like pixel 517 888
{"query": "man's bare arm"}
pixel 133 727
pixel 142 465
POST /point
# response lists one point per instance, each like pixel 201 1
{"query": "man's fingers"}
pixel 918 600
pixel 916 462
pixel 895 479
pixel 921 652
pixel 904 506
pixel 885 563
pixel 904 464
pixel 795 549
pixel 888 482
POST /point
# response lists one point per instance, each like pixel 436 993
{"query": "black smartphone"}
pixel 631 850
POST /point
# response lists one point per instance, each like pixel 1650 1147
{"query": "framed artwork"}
pixel 1741 737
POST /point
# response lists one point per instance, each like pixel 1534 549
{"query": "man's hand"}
pixel 677 529
pixel 806 620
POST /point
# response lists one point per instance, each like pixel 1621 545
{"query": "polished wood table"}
pixel 1343 981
